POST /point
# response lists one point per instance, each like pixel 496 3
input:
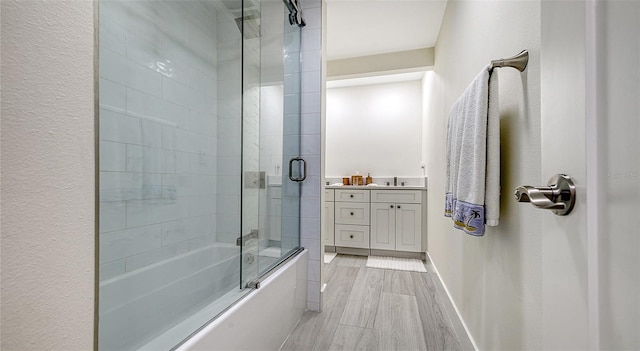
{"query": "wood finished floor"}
pixel 375 309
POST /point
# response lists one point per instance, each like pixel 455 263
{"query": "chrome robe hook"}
pixel 559 195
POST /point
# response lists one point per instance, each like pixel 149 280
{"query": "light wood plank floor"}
pixel 375 309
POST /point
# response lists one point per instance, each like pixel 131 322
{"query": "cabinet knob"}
pixel 351 196
pixel 391 206
pixel 351 236
pixel 352 213
pixel 398 206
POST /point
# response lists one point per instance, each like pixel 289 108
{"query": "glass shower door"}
pixel 199 116
pixel 294 165
pixel 252 177
pixel 170 168
pixel 279 139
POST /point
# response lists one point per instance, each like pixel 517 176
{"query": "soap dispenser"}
pixel 369 179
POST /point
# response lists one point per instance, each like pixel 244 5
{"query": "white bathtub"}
pixel 137 306
pixel 157 306
pixel 263 319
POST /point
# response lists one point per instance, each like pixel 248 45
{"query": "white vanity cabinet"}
pixel 329 222
pixel 352 218
pixel 396 220
pixel 388 219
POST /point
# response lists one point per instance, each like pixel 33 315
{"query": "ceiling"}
pixel 368 27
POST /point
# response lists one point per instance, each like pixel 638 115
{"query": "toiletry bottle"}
pixel 357 179
pixel 369 179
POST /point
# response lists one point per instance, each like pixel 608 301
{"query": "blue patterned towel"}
pixel 472 196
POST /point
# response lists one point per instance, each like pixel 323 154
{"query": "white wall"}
pixel 48 174
pixel 495 281
pixel 427 91
pixel 592 254
pixel 375 129
pixel 620 162
pixel 564 240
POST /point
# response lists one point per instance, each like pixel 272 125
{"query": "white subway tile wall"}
pixel 311 59
pixel 165 113
pixel 229 124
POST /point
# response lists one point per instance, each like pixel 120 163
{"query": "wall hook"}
pixel 559 195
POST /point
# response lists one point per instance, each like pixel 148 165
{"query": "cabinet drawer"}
pixel 352 195
pixel 328 194
pixel 397 196
pixel 352 213
pixel 352 236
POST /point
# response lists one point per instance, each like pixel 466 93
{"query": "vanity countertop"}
pixel 376 187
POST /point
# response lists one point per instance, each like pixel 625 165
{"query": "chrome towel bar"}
pixel 518 62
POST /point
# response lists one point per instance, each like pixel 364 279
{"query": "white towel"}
pixel 473 157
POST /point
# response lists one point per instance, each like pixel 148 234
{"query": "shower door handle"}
pixel 303 176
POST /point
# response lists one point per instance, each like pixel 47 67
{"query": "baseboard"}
pixel 329 248
pixel 352 251
pixel 375 252
pixel 400 254
pixel 460 328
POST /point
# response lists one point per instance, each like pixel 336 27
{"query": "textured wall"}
pixel 47 175
pixel 495 281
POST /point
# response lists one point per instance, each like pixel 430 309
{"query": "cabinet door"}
pixel 408 227
pixel 329 222
pixel 383 226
